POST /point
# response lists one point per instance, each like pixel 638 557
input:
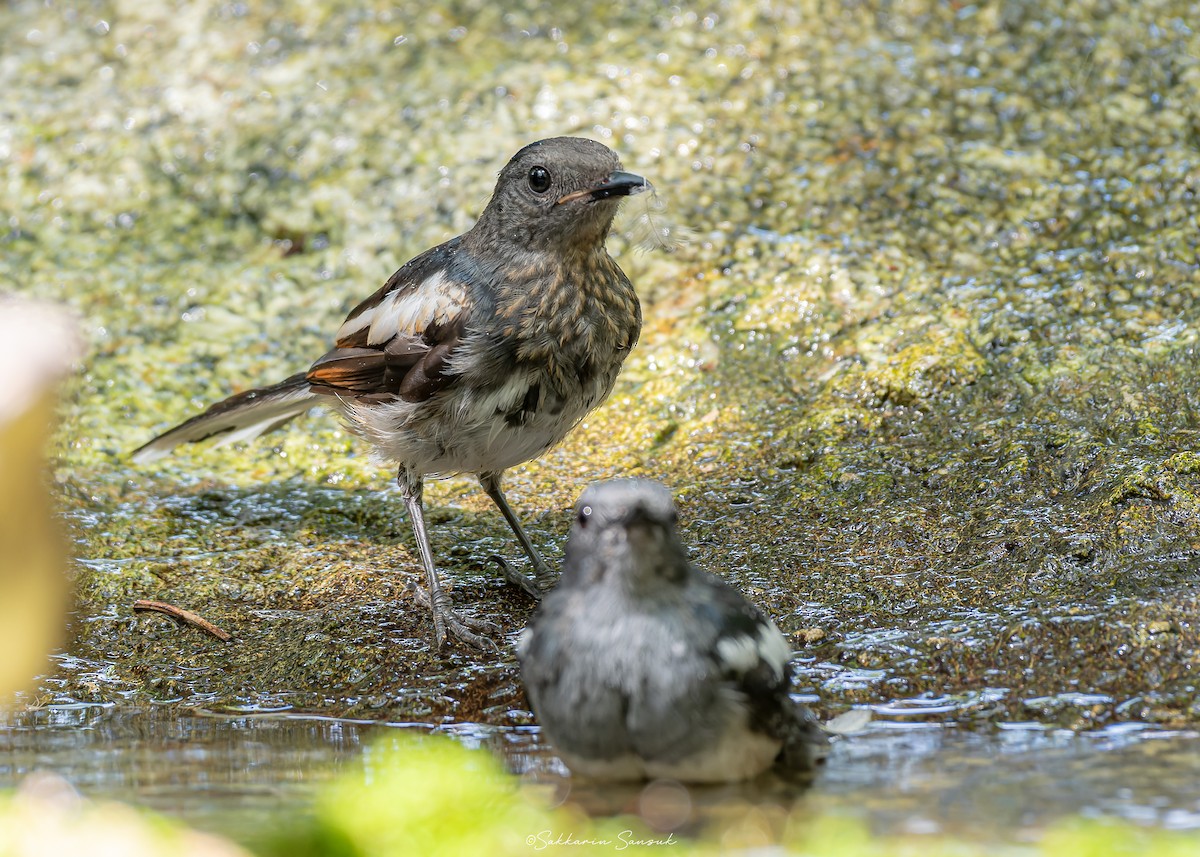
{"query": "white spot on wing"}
pixel 738 653
pixel 742 652
pixel 773 648
pixel 354 325
pixel 407 312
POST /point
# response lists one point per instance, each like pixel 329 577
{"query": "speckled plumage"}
pixel 478 354
pixel 531 356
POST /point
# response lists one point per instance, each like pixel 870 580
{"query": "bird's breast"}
pixel 578 322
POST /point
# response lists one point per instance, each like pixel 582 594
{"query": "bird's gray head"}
pixel 557 194
pixel 625 528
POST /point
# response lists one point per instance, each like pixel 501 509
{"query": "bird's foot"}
pixel 468 629
pixel 535 587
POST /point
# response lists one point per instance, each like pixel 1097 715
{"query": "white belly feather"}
pixel 467 431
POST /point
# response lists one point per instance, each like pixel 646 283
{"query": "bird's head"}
pixel 559 195
pixel 625 530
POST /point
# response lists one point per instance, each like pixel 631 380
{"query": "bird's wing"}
pixel 753 656
pixel 397 342
pixel 745 642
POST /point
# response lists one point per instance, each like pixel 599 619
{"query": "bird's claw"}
pixel 468 629
pixel 531 587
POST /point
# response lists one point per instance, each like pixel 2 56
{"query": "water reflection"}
pixel 1011 784
pixel 921 777
pixel 238 776
pixel 242 775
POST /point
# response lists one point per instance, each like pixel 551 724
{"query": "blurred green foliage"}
pixel 431 796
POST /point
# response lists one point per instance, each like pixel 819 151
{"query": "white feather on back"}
pixel 743 652
pixel 408 312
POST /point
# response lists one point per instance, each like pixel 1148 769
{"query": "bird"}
pixel 475 356
pixel 639 665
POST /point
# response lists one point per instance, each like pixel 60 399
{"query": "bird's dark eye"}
pixel 539 179
pixel 585 513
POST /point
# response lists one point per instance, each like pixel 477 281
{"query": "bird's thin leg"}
pixel 543 576
pixel 444 617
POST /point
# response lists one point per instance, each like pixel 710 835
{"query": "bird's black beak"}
pixel 639 516
pixel 618 183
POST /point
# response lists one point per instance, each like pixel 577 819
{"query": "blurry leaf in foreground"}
pixel 45 816
pixel 38 345
pixel 429 795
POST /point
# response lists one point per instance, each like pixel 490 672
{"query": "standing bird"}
pixel 477 355
pixel 640 665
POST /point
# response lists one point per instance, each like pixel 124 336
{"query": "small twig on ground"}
pixel 184 617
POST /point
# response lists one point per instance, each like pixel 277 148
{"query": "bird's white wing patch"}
pixel 407 312
pixel 742 652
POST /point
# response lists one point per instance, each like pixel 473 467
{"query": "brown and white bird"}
pixel 478 354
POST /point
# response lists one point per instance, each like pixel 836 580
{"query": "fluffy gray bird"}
pixel 478 354
pixel 640 665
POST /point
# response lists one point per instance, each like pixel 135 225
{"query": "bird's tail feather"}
pixel 805 745
pixel 238 418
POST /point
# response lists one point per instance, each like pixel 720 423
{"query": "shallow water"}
pixel 246 776
pixel 235 776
